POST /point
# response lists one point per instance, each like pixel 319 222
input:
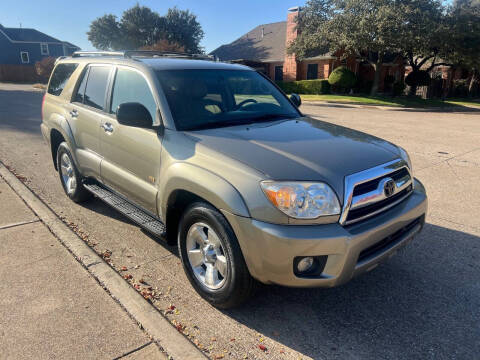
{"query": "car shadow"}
pixel 423 303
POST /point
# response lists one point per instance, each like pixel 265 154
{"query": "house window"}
pixel 312 71
pixel 278 73
pixel 44 49
pixel 24 56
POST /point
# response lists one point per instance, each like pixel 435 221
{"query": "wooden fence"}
pixel 18 73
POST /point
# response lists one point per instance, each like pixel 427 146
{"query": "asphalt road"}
pixel 422 304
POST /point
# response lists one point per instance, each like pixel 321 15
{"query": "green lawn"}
pixel 391 101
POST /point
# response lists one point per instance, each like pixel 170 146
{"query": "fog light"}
pixel 305 264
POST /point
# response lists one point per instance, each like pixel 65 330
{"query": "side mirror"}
pixel 134 114
pixel 295 98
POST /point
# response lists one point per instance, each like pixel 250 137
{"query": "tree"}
pixel 165 45
pixel 105 33
pixel 421 38
pixel 140 27
pixel 366 29
pixel 182 27
pixel 464 38
pixel 44 67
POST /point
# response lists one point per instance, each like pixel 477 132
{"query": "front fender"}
pixel 203 183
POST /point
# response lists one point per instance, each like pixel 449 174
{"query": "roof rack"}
pixel 143 53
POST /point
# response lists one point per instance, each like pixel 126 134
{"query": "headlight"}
pixel 404 155
pixel 302 200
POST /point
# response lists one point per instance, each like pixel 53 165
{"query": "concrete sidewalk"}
pixel 50 306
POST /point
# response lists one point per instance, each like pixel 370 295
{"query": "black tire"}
pixel 239 285
pixel 80 194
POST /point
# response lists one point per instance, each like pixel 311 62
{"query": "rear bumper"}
pixel 270 249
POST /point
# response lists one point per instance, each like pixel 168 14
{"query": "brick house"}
pixel 21 48
pixel 264 48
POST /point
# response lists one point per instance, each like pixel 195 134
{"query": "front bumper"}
pixel 269 249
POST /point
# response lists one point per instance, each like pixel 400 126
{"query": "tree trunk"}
pixel 376 77
pixel 471 86
pixel 413 90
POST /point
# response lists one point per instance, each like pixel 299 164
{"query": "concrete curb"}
pixel 391 108
pixel 154 323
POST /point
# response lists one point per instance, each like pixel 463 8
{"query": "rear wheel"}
pixel 69 175
pixel 212 258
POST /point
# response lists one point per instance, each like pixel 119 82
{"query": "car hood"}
pixel 300 149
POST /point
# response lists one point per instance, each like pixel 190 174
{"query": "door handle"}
pixel 74 113
pixel 107 127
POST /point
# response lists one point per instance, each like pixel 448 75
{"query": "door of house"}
pixel 312 71
pixel 278 73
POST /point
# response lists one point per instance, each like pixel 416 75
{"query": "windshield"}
pixel 201 99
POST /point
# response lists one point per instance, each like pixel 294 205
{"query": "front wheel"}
pixel 70 176
pixel 212 258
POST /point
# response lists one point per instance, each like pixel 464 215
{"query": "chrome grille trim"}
pixel 351 181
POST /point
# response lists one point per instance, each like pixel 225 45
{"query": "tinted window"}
pixel 79 96
pixel 215 98
pixel 130 86
pixel 60 77
pixel 96 86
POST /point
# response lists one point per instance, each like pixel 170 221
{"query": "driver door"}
pixel 131 155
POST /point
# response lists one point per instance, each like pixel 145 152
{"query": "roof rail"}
pixel 144 53
pixel 97 53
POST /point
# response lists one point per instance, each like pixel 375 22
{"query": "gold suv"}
pixel 215 157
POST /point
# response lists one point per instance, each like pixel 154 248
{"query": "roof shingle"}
pixel 265 43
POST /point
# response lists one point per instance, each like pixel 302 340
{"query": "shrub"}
pixel 342 78
pixel 418 78
pixel 315 87
pixel 44 68
pixel 398 88
pixel 460 88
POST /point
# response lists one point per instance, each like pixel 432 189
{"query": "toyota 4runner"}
pixel 216 158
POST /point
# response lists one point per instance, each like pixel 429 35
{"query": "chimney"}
pixel 290 63
pixel 263 32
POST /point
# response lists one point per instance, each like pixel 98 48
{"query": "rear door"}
pixel 86 115
pixel 131 156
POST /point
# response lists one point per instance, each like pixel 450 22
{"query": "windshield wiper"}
pixel 243 121
pixel 270 117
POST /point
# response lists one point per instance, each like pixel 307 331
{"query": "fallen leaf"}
pixel 123 268
pixel 232 339
pixel 218 356
pixel 127 276
pixel 213 339
pixel 262 347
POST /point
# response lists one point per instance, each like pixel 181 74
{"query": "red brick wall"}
pixel 290 63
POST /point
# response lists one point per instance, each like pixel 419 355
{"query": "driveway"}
pixel 422 304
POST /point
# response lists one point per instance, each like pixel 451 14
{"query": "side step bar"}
pixel 137 215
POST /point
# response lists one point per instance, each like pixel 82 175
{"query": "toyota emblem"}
pixel 389 188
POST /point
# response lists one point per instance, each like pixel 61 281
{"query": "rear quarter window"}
pixel 59 78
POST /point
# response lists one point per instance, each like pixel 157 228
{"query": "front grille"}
pixel 370 189
pixel 387 242
pixel 373 184
pixel 355 215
